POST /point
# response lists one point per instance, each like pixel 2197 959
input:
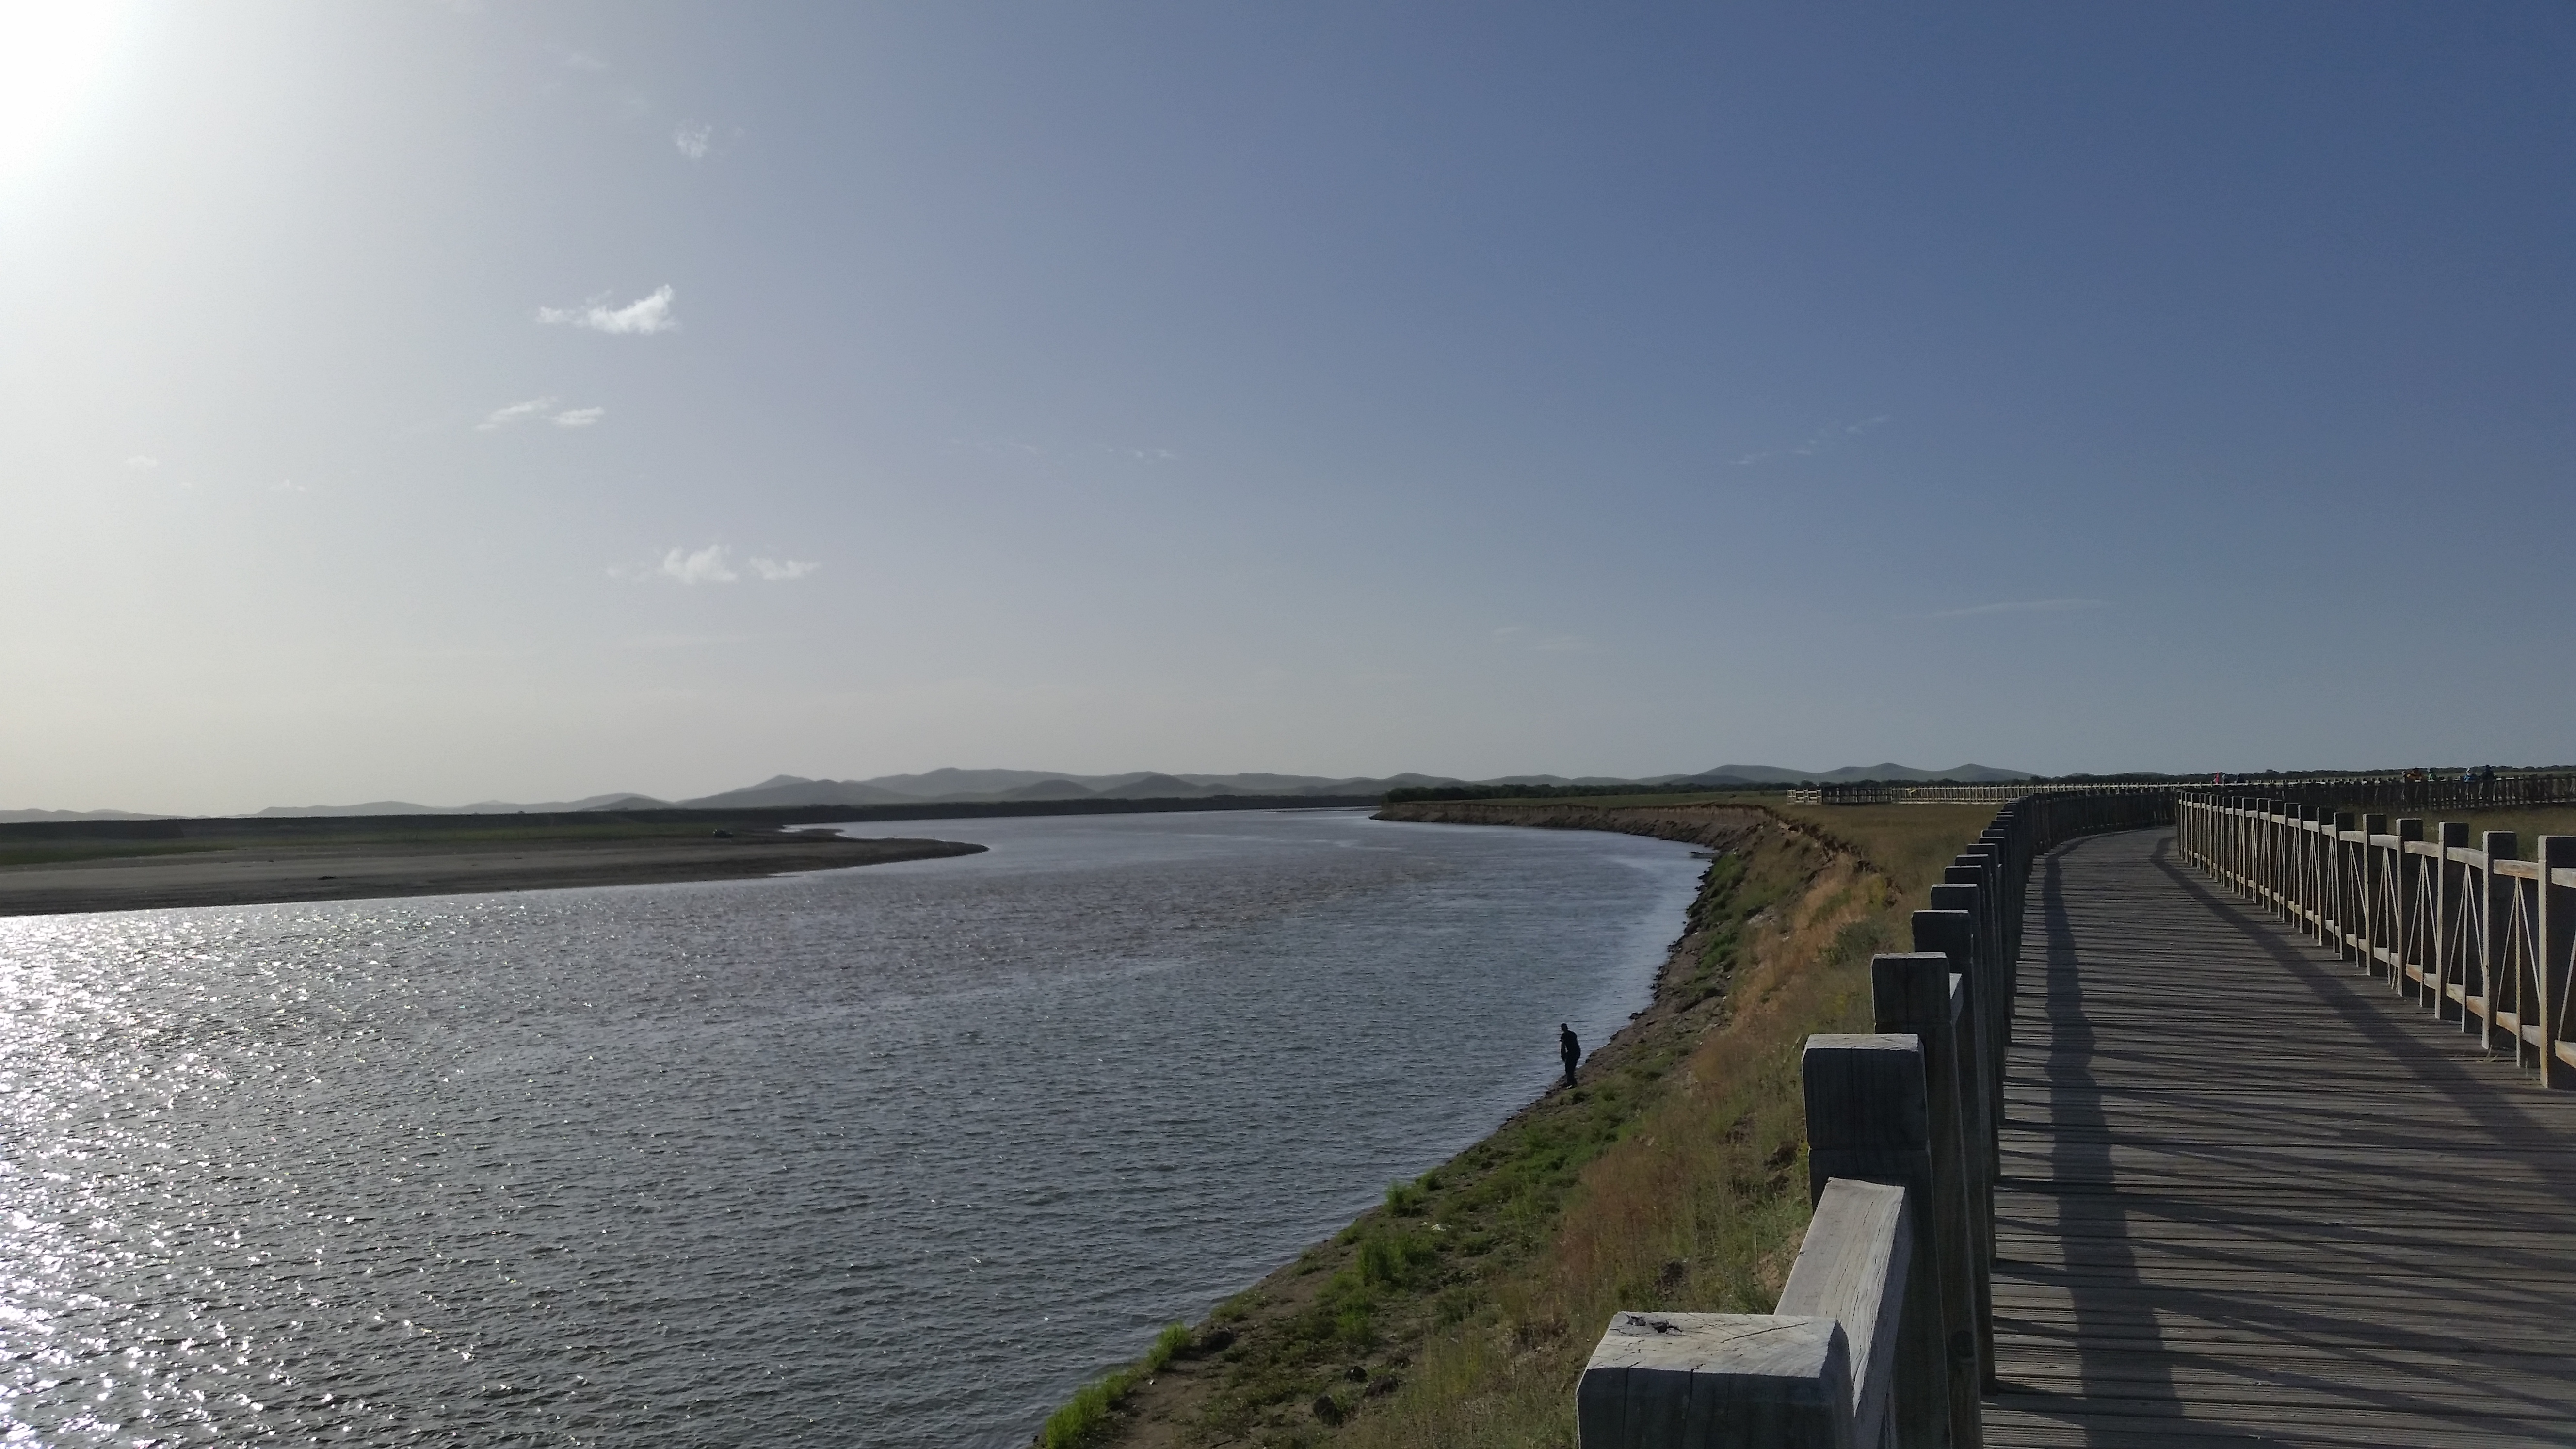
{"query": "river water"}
pixel 892 1156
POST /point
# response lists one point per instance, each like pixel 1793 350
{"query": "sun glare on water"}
pixel 53 55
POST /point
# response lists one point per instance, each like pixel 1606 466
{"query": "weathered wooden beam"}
pixel 1852 1268
pixel 1717 1380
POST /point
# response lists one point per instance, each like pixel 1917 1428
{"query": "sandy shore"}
pixel 255 873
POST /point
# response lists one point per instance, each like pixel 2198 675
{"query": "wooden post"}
pixel 2410 891
pixel 1950 928
pixel 2339 893
pixel 1869 1116
pixel 2451 908
pixel 1922 994
pixel 2495 912
pixel 2554 938
pixel 2374 892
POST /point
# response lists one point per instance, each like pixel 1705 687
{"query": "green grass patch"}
pixel 1083 1415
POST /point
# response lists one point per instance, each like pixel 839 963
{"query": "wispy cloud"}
pixel 583 60
pixel 694 142
pixel 502 417
pixel 641 317
pixel 715 564
pixel 142 463
pixel 1543 641
pixel 1824 440
pixel 540 407
pixel 2023 606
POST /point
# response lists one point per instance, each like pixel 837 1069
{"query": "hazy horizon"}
pixel 435 402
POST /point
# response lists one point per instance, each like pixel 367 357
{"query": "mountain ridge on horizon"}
pixel 952 785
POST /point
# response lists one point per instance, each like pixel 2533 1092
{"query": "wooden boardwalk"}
pixel 2250 1195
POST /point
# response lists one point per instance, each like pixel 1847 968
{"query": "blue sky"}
pixel 447 402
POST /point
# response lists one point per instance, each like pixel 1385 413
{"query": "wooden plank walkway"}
pixel 2250 1195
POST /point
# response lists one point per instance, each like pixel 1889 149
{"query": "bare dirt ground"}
pixel 255 873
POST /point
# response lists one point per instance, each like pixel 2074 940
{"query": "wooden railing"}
pixel 1884 1334
pixel 2472 933
pixel 2397 790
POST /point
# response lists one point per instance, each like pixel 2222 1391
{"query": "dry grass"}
pixel 2528 825
pixel 1701 1206
pixel 1911 843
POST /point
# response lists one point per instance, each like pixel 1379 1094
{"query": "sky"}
pixel 450 401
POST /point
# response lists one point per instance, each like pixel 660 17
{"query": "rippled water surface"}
pixel 892 1156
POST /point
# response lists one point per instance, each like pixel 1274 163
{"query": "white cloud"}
pixel 578 417
pixel 583 60
pixel 2024 606
pixel 694 141
pixel 142 463
pixel 640 317
pixel 515 412
pixel 707 566
pixel 715 564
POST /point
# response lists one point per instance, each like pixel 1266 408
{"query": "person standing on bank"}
pixel 1568 1048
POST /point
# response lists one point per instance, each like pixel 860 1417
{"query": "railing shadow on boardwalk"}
pixel 2264 1200
pixel 2235 1194
pixel 2080 1169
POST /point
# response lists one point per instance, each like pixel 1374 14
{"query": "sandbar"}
pixel 266 872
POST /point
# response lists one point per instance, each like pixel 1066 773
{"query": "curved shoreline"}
pixel 1279 1361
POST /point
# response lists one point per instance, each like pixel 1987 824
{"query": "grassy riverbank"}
pixel 1461 1310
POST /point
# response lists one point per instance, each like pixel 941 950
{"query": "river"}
pixel 894 1156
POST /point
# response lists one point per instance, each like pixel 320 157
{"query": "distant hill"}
pixel 956 786
pixel 623 801
pixel 1056 789
pixel 1165 787
pixel 29 817
pixel 797 790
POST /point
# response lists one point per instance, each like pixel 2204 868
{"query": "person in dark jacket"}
pixel 1568 1048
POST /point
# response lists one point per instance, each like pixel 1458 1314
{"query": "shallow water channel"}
pixel 891 1156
